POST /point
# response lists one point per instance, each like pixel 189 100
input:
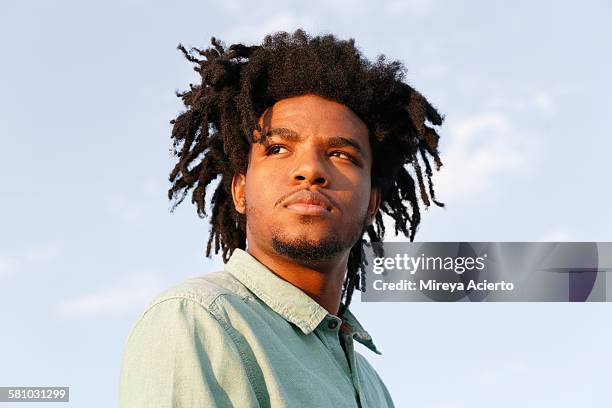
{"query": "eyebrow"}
pixel 283 133
pixel 341 141
pixel 293 136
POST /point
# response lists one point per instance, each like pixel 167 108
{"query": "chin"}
pixel 310 220
pixel 304 249
pixel 309 234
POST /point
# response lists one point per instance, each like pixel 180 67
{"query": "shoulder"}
pixel 180 351
pixel 365 365
pixel 372 381
pixel 193 301
pixel 190 312
pixel 204 290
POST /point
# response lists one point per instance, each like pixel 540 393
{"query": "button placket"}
pixel 332 324
pixel 350 350
pixel 329 331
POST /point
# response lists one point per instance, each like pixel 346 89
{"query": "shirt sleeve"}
pixel 178 355
pixel 379 396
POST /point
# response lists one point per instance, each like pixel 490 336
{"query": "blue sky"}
pixel 87 239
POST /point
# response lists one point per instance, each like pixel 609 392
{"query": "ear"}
pixel 373 205
pixel 238 192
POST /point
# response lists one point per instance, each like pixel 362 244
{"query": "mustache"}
pixel 285 196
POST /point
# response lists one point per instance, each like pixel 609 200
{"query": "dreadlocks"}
pixel 212 137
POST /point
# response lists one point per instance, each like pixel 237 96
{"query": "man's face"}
pixel 307 192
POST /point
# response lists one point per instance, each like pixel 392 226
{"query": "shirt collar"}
pixel 289 301
pixel 356 330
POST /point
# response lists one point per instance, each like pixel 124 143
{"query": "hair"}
pixel 213 136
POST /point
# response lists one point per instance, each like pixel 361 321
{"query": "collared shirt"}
pixel 244 337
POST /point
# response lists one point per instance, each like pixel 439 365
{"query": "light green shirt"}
pixel 244 337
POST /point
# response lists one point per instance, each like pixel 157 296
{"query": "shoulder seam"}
pixel 227 328
pixel 160 301
pixel 187 296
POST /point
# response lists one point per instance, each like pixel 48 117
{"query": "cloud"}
pixel 27 258
pixel 543 101
pixel 478 152
pixel 133 293
pixel 558 234
pixel 8 265
pixel 525 99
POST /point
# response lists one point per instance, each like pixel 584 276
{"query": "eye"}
pixel 344 155
pixel 275 149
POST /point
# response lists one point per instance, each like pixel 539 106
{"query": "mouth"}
pixel 308 209
pixel 307 202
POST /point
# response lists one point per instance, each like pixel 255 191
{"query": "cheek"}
pixel 363 201
pixel 260 192
pixel 357 199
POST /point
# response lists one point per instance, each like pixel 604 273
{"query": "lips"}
pixel 308 202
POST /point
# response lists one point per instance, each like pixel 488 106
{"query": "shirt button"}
pixel 332 324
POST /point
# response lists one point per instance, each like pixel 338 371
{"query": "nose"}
pixel 310 168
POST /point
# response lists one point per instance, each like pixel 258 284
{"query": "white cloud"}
pixel 8 265
pixel 25 258
pixel 477 153
pixel 524 99
pixel 559 234
pixel 543 101
pixel 134 293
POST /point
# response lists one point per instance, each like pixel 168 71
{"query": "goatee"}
pixel 306 251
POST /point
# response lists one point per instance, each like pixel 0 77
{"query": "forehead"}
pixel 312 114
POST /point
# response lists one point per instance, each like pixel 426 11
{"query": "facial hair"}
pixel 307 251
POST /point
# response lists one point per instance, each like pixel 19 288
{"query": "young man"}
pixel 309 142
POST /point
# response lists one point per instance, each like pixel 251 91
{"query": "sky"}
pixel 87 239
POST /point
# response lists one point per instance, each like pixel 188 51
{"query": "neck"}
pixel 322 281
